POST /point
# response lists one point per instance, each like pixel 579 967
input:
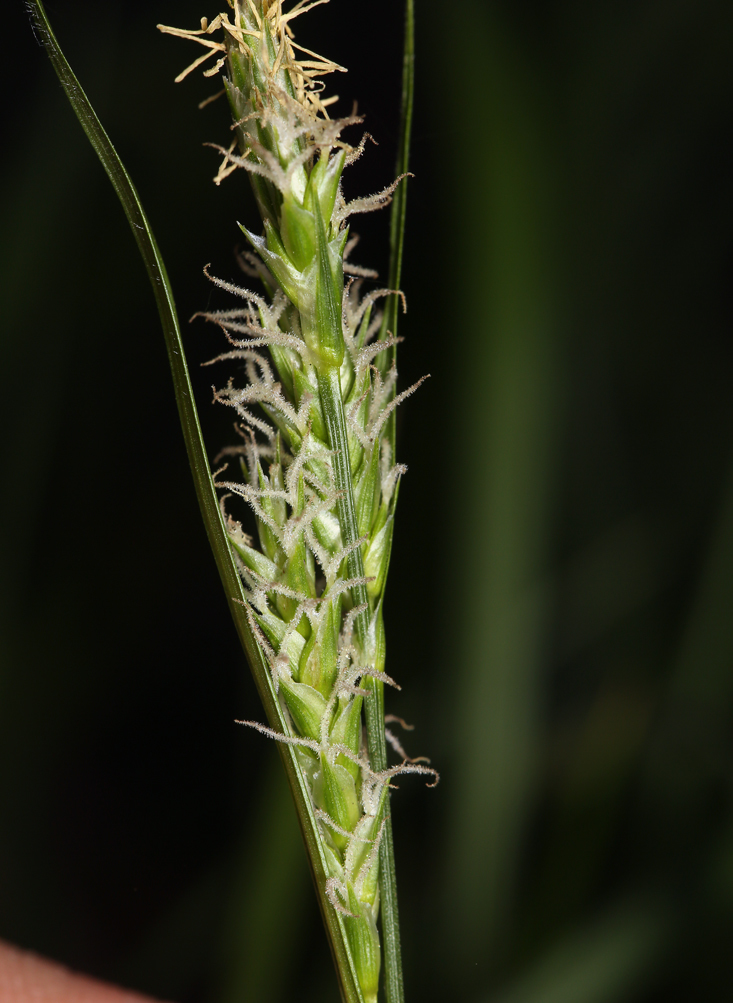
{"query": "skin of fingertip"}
pixel 26 978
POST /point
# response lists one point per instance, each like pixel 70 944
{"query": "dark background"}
pixel 559 606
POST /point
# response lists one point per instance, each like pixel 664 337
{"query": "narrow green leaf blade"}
pixel 374 703
pixel 205 490
pixel 398 211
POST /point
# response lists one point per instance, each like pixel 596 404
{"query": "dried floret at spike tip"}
pixel 317 470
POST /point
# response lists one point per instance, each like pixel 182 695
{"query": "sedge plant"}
pixel 315 461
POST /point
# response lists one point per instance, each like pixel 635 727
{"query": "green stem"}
pixel 393 981
pixel 329 387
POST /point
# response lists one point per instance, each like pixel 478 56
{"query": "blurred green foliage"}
pixel 568 659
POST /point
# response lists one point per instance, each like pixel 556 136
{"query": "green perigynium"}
pixel 317 470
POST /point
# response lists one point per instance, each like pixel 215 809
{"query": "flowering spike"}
pixel 322 482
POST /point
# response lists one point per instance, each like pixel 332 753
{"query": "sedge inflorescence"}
pixel 316 459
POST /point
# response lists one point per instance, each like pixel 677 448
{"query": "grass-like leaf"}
pixel 202 480
pixel 374 703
